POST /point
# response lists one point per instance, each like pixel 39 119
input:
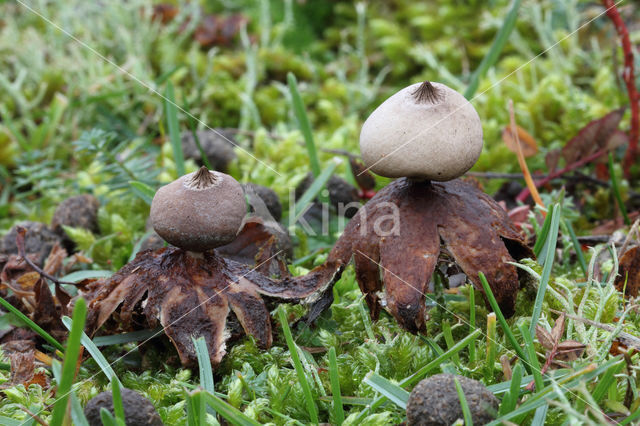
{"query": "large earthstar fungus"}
pixel 427 135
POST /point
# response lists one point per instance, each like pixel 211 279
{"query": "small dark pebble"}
pixel 138 410
pixel 267 196
pixel 434 401
pixel 341 194
pixel 39 240
pixel 218 149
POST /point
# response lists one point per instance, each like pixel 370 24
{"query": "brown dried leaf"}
pixel 570 350
pixel 628 278
pixel 558 329
pixel 165 12
pixel 27 281
pixel 544 337
pixel 15 267
pixel 21 353
pixel 53 264
pixel 593 137
pixel 364 178
pixel 551 159
pixel 527 142
pixel 218 31
pixel 47 313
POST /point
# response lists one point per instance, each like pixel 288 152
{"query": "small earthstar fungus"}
pixel 427 221
pixel 189 288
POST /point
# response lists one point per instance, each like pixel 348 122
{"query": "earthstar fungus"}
pixel 401 236
pixel 191 290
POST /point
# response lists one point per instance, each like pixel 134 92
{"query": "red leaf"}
pixel 593 137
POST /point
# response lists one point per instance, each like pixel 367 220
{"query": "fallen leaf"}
pixel 165 12
pixel 552 158
pixel 21 354
pixel 527 142
pixel 628 278
pixel 544 337
pixel 593 137
pixel 214 30
pixel 570 350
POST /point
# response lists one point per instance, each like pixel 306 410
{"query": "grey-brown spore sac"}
pixel 80 211
pixel 341 194
pixel 39 240
pixel 267 196
pixel 218 147
pixel 434 401
pixel 138 410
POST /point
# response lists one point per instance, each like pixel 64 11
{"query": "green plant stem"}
pixel 498 44
pixel 303 124
pixel 302 378
pixel 616 191
pixel 503 322
pixel 32 325
pixel 549 252
pixel 472 322
pixel 69 364
pixel 338 409
pixel 466 413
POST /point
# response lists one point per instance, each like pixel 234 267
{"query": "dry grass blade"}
pixel 523 164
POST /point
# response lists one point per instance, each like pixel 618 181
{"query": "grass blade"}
pixel 293 350
pixel 196 408
pixel 466 413
pixel 607 380
pixel 541 238
pixel 491 347
pixel 550 252
pixel 533 358
pixel 133 336
pixel 510 398
pixel 576 245
pixel 77 413
pixel 32 325
pixel 303 124
pixel 338 409
pixel 204 364
pixel 174 129
pixel 448 338
pixel 498 44
pixel 142 190
pixel 118 408
pixel 472 322
pixel 107 418
pixel 228 412
pixel 503 322
pixel 393 392
pixel 94 351
pixel 315 189
pixel 616 191
pixel 69 364
pixel 76 276
pixel 540 416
